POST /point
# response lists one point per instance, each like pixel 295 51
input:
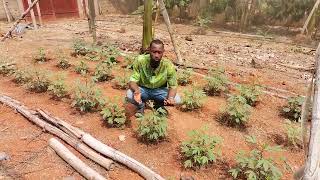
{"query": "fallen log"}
pixel 18 21
pixel 74 161
pixel 75 143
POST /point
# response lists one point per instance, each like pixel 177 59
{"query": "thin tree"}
pixel 147 25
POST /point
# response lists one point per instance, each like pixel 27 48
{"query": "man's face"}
pixel 156 52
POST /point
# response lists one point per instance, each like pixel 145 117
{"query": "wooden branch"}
pixel 39 13
pixel 74 161
pixel 311 171
pixel 92 21
pixel 18 21
pixel 166 18
pixel 82 148
pixel 6 10
pixel 300 68
pixel 305 26
pixel 120 157
pixel 33 17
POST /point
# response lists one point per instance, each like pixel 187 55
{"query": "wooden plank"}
pixel 34 21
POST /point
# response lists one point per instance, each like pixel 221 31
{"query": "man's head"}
pixel 156 50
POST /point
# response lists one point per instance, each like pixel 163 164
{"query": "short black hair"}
pixel 157 41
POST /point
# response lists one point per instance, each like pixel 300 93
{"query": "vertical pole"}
pixel 80 8
pixel 39 13
pixel 20 5
pixel 6 10
pixel 147 25
pixel 53 10
pixel 92 19
pixel 34 22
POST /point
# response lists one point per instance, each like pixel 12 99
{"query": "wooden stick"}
pixel 305 26
pixel 120 157
pixel 18 21
pixel 82 148
pixel 33 17
pixel 165 15
pixel 39 13
pixel 311 171
pixel 6 10
pixel 74 161
pixel 92 21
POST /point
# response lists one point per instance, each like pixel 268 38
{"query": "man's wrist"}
pixel 170 98
pixel 136 92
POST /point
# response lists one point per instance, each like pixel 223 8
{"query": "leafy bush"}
pixel 7 68
pixel 153 125
pixel 193 99
pixel 251 93
pixel 82 68
pixel 87 97
pixel 58 89
pixel 103 72
pixel 80 47
pixel 237 111
pixel 63 63
pixel 256 165
pixel 217 82
pixel 121 82
pixel 200 149
pixel 22 76
pixel 293 133
pixel 114 115
pixel 293 109
pixel 184 76
pixel 39 81
pixel 41 56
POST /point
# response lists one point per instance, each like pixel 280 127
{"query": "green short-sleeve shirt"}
pixel 164 75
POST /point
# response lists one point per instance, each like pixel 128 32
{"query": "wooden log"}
pixel 120 157
pixel 33 17
pixel 18 21
pixel 75 143
pixel 74 161
pixel 166 18
pixel 312 170
pixel 5 7
pixel 39 14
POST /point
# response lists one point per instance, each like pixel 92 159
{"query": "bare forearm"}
pixel 134 86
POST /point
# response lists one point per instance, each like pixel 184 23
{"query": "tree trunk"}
pixel 92 21
pixel 39 14
pixel 33 17
pixel 147 25
pixel 6 10
pixel 306 25
pixel 74 161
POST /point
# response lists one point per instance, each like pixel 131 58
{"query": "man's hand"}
pixel 169 101
pixel 137 97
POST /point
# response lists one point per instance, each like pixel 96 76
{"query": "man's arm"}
pixel 172 83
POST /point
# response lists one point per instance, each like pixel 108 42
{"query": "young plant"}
pixel 200 149
pixel 58 88
pixel 251 93
pixel 103 72
pixel 63 63
pixel 114 115
pixel 87 97
pixel 217 82
pixel 293 133
pixel 256 165
pixel 193 99
pixel 82 68
pixel 184 76
pixel 121 82
pixel 237 111
pixel 293 109
pixel 39 81
pixel 153 125
pixel 7 68
pixel 80 48
pixel 41 56
pixel 22 76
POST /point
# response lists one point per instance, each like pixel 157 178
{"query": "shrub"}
pixel 80 48
pixel 39 81
pixel 41 56
pixel 293 133
pixel 82 68
pixel 256 165
pixel 184 76
pixel 7 68
pixel 293 109
pixel 22 76
pixel 58 89
pixel 250 92
pixel 153 125
pixel 63 63
pixel 87 97
pixel 121 82
pixel 193 99
pixel 237 111
pixel 200 149
pixel 217 82
pixel 114 115
pixel 103 72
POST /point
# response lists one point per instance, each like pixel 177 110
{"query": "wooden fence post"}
pixel 34 21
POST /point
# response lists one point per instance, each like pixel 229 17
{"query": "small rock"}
pixel 186 177
pixel 4 156
pixel 122 138
pixel 188 38
pixel 69 178
pixel 121 30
